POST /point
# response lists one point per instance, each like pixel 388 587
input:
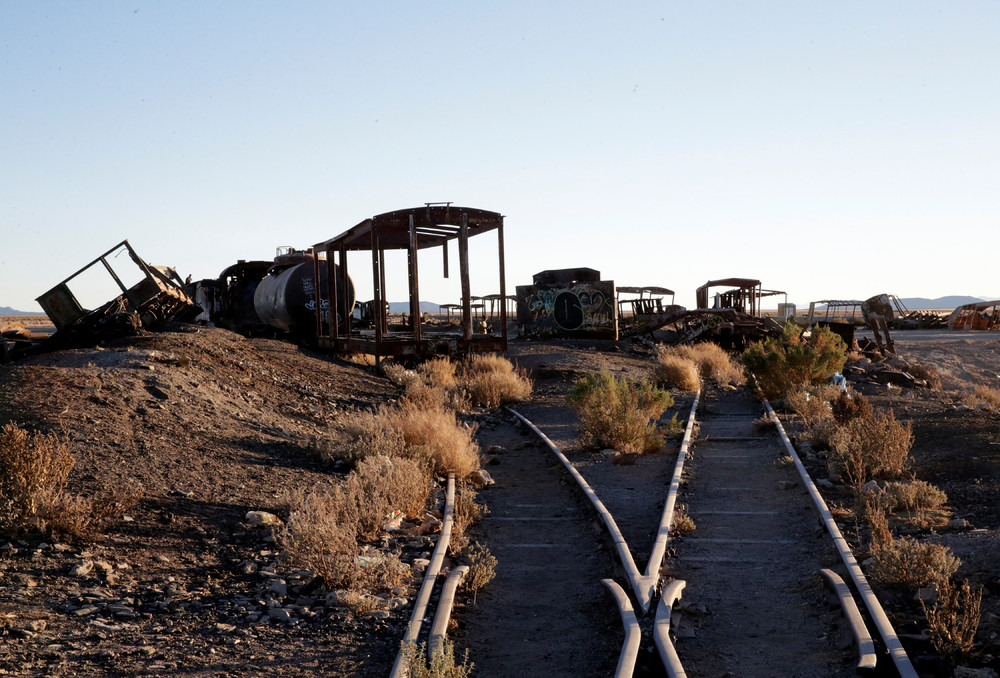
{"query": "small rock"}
pixel 958 524
pixel 85 610
pixel 24 580
pixel 225 628
pixel 257 518
pixel 279 614
pixel 421 563
pixel 481 478
pixel 379 614
pixel 37 625
pixel 786 484
pixel 82 569
pixel 161 558
pixel 278 588
pixel 825 483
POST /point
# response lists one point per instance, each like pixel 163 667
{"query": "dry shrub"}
pixel 400 375
pixel 380 485
pixel 321 536
pixel 907 562
pixel 781 364
pixel 928 374
pixel 434 433
pixel 482 568
pixel 871 508
pixel 441 665
pixel 915 496
pixel 492 381
pixel 618 412
pixel 439 372
pixel 34 471
pixel 316 537
pixel 812 405
pixel 365 434
pixel 682 522
pixel 676 372
pixel 872 447
pixel 983 395
pixel 848 406
pixel 954 619
pixel 467 512
pixel 713 362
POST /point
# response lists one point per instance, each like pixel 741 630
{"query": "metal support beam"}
pixel 463 264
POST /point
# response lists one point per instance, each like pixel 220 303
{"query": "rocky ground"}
pixel 208 426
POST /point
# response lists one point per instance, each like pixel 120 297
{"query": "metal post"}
pixel 503 283
pixel 317 296
pixel 332 288
pixel 411 255
pixel 463 264
pixel 376 278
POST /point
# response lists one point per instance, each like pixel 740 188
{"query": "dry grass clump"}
pixel 813 405
pixel 677 372
pixel 34 471
pixel 483 380
pixel 915 496
pixel 618 412
pixel 492 381
pixel 425 429
pixel 321 535
pixel 434 433
pixel 380 485
pixel 954 618
pixel 482 568
pixel 928 374
pixel 713 362
pixel 908 562
pixel 441 665
pixel 682 522
pixel 849 405
pixel 364 434
pixel 983 395
pixel 872 447
pixel 467 512
pixel 317 538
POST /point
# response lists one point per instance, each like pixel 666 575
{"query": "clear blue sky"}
pixel 829 149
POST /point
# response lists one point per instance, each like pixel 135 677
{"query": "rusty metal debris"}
pixel 983 315
pixel 157 297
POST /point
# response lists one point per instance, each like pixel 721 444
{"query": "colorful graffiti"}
pixel 583 309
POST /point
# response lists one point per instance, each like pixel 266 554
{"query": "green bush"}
pixel 618 412
pixel 782 364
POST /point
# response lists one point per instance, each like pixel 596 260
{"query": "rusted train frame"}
pixel 154 298
pixel 412 230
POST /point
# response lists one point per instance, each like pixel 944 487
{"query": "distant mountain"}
pixel 7 310
pixel 404 307
pixel 953 301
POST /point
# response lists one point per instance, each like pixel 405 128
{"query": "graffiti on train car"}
pixel 567 303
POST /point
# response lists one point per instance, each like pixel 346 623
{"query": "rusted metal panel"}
pixel 984 315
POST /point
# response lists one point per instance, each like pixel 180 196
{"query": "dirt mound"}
pixel 209 425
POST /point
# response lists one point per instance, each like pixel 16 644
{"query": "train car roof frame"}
pixel 412 229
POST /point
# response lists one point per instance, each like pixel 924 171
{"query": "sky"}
pixel 833 150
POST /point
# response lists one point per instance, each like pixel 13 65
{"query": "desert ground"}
pixel 206 426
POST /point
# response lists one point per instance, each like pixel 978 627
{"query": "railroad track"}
pixel 752 591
